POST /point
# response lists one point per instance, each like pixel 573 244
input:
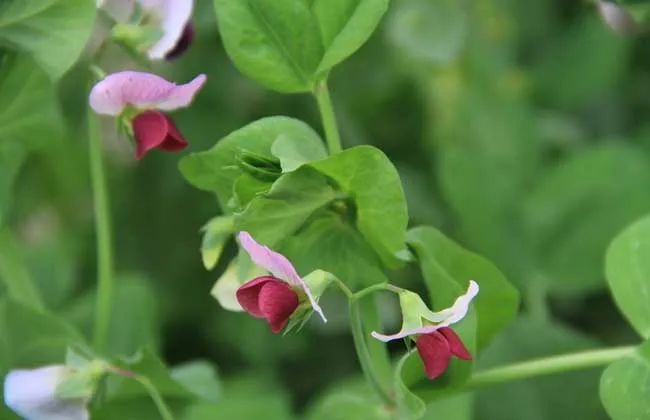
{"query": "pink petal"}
pixel 456 345
pixel 278 265
pixel 248 295
pixel 435 353
pixel 142 91
pixel 153 129
pixel 174 15
pixel 277 301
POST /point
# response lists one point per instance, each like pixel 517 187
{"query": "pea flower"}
pixel 138 99
pixel 32 393
pixel 160 28
pixel 274 297
pixel 435 341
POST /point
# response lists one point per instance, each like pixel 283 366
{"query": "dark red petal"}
pixel 183 42
pixel 248 295
pixel 154 129
pixel 434 351
pixel 456 345
pixel 277 301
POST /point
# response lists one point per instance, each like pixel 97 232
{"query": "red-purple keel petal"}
pixel 434 352
pixel 248 295
pixel 456 345
pixel 277 301
pixel 155 130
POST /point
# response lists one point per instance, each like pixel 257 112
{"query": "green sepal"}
pixel 82 376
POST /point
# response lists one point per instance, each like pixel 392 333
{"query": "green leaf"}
pixel 54 32
pixel 572 215
pixel 625 384
pixel 330 244
pixel 14 274
pixel 28 109
pixel 628 274
pixel 200 377
pixel 12 156
pixel 447 270
pixel 372 182
pixel 282 210
pixel 215 235
pixel 349 402
pixel 292 155
pixel 288 45
pixel 428 31
pixel 570 76
pixel 216 170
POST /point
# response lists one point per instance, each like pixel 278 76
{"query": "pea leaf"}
pixel 291 200
pixel 215 234
pixel 625 384
pixel 28 110
pixel 628 274
pixel 372 182
pixel 199 377
pixel 12 156
pixel 292 155
pixel 216 169
pixel 18 283
pixel 288 45
pixel 448 268
pixel 54 32
pixel 574 212
pixel 329 243
pixel 428 31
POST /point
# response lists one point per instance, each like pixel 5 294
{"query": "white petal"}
pixel 174 15
pixel 31 393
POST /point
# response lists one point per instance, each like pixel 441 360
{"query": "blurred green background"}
pixel 519 128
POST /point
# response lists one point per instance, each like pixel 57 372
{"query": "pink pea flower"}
pixel 138 99
pixel 277 296
pixel 171 18
pixel 435 341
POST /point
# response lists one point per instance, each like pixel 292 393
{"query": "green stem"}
pixel 328 117
pixel 164 411
pixel 547 366
pixel 375 288
pixel 363 353
pixel 103 234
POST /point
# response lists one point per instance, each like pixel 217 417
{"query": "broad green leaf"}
pixel 428 31
pixel 349 401
pixel 200 377
pixel 373 184
pixel 566 396
pixel 292 155
pixel 216 170
pixel 14 274
pixel 215 235
pixel 12 156
pixel 628 274
pixel 53 32
pixel 329 243
pixel 28 110
pixel 625 384
pixel 448 268
pixel 288 45
pixel 286 206
pixel 586 62
pixel 574 212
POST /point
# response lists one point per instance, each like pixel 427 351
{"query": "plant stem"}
pixel 547 366
pixel 363 353
pixel 164 411
pixel 103 234
pixel 375 288
pixel 328 117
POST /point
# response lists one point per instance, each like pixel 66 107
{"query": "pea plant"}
pixel 308 216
